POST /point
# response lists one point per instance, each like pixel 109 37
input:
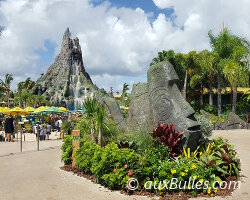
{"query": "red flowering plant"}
pixel 169 137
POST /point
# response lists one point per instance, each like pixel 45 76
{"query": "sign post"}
pixel 38 136
pixel 76 144
pixel 21 133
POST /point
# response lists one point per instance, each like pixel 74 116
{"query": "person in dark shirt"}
pixel 9 128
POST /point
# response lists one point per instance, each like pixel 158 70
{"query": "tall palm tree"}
pixel 29 84
pixel 125 88
pixel 25 96
pixel 6 86
pixel 208 60
pixel 235 75
pixel 90 106
pixel 189 65
pixel 228 47
pixel 100 121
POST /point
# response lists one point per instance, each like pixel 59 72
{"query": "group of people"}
pixel 40 128
pixel 43 130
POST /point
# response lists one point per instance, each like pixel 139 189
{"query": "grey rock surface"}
pixel 55 83
pixel 159 100
pixel 140 113
pixel 233 121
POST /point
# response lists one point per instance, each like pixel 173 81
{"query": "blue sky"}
pixel 119 38
pixel 147 5
pixel 47 55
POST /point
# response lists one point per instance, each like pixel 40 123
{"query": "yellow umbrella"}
pixel 40 109
pixel 126 108
pixel 29 109
pixel 17 111
pixel 64 109
pixel 4 109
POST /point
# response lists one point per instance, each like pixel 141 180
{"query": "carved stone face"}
pixel 168 105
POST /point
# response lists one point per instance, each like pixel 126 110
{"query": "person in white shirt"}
pixel 59 125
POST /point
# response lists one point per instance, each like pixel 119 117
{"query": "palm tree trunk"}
pixel 185 86
pixel 92 131
pixel 7 98
pixel 219 96
pixel 234 99
pixel 201 97
pixel 100 136
pixel 210 94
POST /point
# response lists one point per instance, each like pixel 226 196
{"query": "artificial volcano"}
pixel 66 81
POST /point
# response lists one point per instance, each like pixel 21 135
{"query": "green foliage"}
pixel 68 126
pixel 67 150
pixel 206 126
pixel 84 126
pixel 84 156
pixel 142 140
pixel 112 167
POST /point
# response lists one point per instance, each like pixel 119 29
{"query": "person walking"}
pixel 9 128
pixel 48 131
pixel 59 124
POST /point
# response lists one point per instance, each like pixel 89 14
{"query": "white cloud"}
pixel 117 43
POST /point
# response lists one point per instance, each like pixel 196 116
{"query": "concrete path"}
pixel 36 175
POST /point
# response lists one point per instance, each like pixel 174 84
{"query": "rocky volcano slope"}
pixel 55 84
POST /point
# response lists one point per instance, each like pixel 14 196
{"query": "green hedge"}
pixel 112 167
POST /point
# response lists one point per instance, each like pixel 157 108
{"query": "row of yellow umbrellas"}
pixel 28 110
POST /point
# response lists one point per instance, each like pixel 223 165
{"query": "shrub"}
pixel 206 126
pixel 112 167
pixel 67 150
pixel 84 156
pixel 110 158
pixel 139 141
pixel 169 137
pixel 68 126
pixel 84 126
pixel 104 161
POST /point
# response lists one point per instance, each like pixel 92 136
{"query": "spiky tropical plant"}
pixel 90 106
pixel 100 117
pixel 169 137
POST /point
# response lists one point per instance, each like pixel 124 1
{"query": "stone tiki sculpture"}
pixel 159 100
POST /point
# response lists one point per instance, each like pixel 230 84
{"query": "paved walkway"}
pixel 36 175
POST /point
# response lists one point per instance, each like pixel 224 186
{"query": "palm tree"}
pixel 6 86
pixel 235 75
pixel 125 88
pixel 29 84
pixel 228 47
pixel 100 121
pixel 208 60
pixel 189 65
pixel 25 96
pixel 90 106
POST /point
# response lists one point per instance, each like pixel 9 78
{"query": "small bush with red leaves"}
pixel 169 137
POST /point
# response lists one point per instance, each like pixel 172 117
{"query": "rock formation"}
pixel 159 100
pixel 67 82
pixel 66 79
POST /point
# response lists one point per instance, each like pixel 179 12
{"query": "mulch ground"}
pixel 166 196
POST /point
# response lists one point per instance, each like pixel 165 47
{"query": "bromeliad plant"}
pixel 169 137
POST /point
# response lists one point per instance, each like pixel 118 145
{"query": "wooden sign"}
pixel 76 144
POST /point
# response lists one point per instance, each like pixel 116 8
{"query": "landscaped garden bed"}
pixel 208 171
